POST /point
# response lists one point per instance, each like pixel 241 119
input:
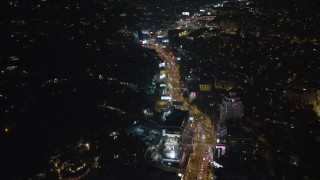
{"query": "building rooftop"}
pixel 176 118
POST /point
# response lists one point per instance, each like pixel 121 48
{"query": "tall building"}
pixel 231 108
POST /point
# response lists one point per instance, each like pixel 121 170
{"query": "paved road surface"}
pixel 204 138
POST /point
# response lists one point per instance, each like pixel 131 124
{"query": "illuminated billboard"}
pixel 186 13
pixel 145 32
pixel 162 65
pixel 162 76
pixel 165 40
pixel 166 98
pixel 205 87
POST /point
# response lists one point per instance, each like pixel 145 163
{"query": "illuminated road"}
pixel 204 138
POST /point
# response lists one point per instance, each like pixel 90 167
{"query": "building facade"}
pixel 231 108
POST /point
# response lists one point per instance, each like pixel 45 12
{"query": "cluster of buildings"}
pixel 267 50
pixel 169 154
pixel 248 47
pixel 72 163
pixel 48 60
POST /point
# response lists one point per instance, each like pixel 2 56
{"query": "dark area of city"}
pixel 160 90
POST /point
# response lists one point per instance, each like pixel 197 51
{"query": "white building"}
pixel 231 108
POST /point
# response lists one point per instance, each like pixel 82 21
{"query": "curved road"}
pixel 204 138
